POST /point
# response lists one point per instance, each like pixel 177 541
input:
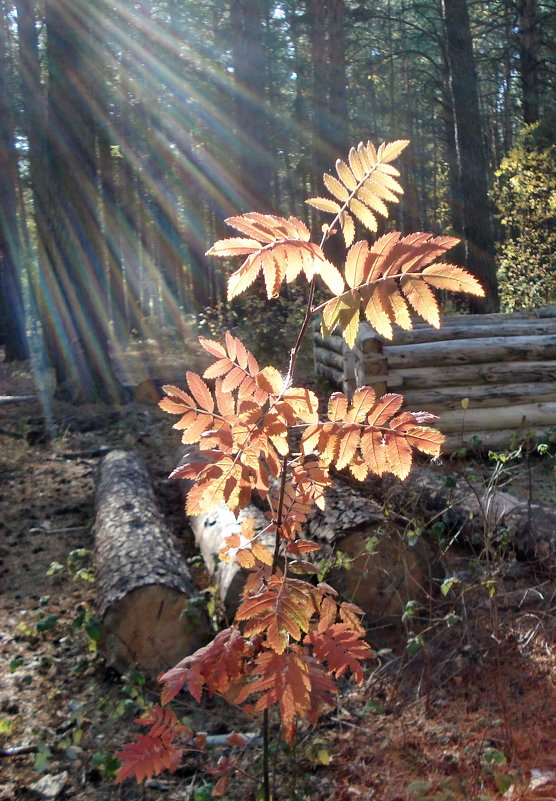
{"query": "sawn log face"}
pixel 143 584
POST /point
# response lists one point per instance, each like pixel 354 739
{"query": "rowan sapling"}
pixel 291 638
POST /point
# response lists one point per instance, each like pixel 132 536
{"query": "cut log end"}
pixel 153 627
pixel 144 590
pixel 384 580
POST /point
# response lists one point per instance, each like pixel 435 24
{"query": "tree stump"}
pixel 144 590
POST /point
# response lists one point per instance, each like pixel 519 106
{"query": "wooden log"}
pixel 471 374
pixel 445 398
pixel 383 572
pixel 330 373
pixel 499 440
pixel 335 342
pixel 210 531
pixel 9 399
pixel 469 509
pixel 503 328
pixel 471 351
pixel 518 417
pixel 143 584
pixel 330 358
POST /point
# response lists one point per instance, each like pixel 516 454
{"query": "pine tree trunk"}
pixel 12 312
pixel 477 233
pixel 143 584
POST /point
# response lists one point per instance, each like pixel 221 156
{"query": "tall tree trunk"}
pixel 477 233
pixel 254 159
pixel 74 301
pixel 338 133
pixel 527 23
pixel 12 311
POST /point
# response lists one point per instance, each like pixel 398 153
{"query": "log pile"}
pixel 501 366
pixel 143 584
pixel 380 579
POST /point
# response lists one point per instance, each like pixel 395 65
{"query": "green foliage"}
pixel 525 194
pixel 264 331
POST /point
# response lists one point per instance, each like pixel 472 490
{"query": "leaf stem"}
pixel 266 765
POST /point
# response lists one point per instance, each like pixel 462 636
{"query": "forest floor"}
pixel 470 715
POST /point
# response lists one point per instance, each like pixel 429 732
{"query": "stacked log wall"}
pixel 503 364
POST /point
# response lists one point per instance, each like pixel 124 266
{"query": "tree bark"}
pixel 12 311
pixel 527 24
pixel 477 233
pixel 143 584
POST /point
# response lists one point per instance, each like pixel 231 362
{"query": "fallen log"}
pixel 6 399
pixel 210 531
pixel 382 571
pixel 445 398
pixel 470 511
pixel 144 590
pixel 380 579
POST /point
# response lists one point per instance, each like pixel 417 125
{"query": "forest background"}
pixel 129 131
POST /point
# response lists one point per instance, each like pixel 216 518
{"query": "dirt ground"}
pixel 469 715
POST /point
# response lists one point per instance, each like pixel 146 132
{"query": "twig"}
pixel 18 750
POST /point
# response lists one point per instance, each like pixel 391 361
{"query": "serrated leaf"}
pixel 341 648
pixel 427 440
pixel 398 454
pixel 361 404
pixel 348 444
pixel 393 149
pixel 262 553
pixel 373 450
pixel 335 187
pixel 331 276
pixel 345 175
pixel 237 246
pixel 324 204
pixel 355 263
pixel 422 299
pixel 356 165
pixel 348 228
pixel 456 279
pixel 200 391
pixel 372 201
pixel 363 214
pixel 375 312
pixel 337 406
pixel 384 409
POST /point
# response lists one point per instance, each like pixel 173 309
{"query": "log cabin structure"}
pixel 488 377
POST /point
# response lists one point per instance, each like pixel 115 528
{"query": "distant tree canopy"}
pixel 525 195
pixel 129 131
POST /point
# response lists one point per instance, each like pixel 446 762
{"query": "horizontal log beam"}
pixel 471 351
pixel 523 372
pixel 517 417
pixel 485 396
pixel 330 357
pixel 532 327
